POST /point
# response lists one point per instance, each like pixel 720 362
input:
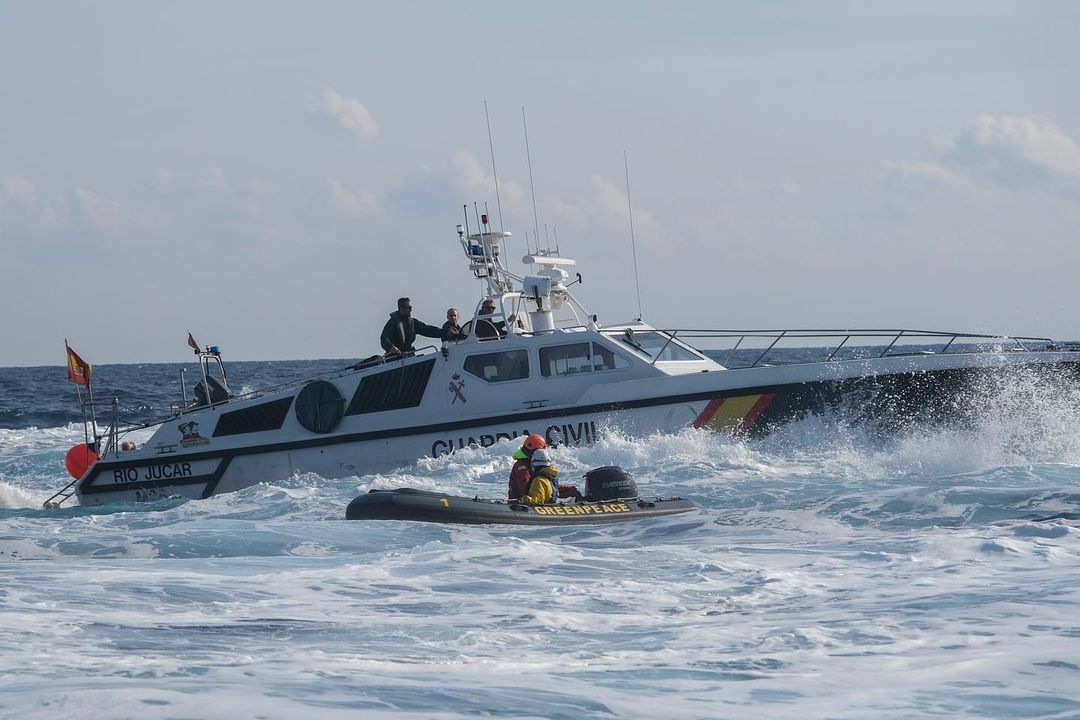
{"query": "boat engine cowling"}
pixel 610 482
pixel 218 392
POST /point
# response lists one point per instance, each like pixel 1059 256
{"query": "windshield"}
pixel 655 345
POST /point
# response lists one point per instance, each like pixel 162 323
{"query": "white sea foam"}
pixel 13 496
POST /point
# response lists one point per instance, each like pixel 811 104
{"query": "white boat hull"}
pixel 751 400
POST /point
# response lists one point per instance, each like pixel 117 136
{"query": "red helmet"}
pixel 534 442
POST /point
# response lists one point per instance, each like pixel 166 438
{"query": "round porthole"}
pixel 319 406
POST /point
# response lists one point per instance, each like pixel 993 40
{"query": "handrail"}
pixel 258 392
pixel 768 349
pixel 890 347
pixel 1023 342
pixel 60 496
pixel 729 352
pixel 671 338
pixel 64 494
pixel 330 373
pixel 842 342
pixel 544 333
pixel 838 332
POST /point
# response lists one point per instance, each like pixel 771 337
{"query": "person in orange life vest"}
pixel 521 473
pixel 544 485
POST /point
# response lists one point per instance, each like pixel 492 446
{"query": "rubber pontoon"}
pixel 426 506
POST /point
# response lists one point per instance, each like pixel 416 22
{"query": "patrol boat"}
pixel 553 370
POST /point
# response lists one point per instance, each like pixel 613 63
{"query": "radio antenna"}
pixel 494 172
pixel 633 240
pixel 532 188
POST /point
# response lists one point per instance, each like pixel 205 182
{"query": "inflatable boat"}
pixel 611 496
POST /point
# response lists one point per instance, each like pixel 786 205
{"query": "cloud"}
pixel 923 176
pixel 358 203
pixel 25 209
pixel 212 180
pixel 248 202
pixel 104 216
pixel 604 205
pixel 461 180
pixel 16 191
pixel 348 114
pixel 1013 151
pixel 208 206
pixel 470 176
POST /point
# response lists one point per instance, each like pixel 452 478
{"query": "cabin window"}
pixel 579 358
pixel 500 366
pixel 655 345
pixel 566 359
pixel 606 359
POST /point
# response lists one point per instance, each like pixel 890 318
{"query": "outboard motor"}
pixel 217 393
pixel 610 482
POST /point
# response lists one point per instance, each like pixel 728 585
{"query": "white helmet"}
pixel 540 457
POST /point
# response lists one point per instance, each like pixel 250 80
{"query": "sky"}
pixel 271 176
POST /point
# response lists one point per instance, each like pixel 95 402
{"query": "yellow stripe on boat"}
pixel 730 414
pixel 733 414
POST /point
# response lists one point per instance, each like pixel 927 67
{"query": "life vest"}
pixel 551 475
pixel 406 332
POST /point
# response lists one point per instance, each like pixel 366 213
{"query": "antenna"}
pixel 494 173
pixel 532 188
pixel 633 241
pixel 547 239
pixel 555 232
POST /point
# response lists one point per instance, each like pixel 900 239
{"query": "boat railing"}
pixel 561 328
pixel 178 409
pixel 111 436
pixel 887 337
pixel 381 361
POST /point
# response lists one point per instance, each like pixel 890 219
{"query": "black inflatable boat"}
pixel 611 496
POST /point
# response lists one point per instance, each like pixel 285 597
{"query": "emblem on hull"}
pixel 456 383
pixel 189 435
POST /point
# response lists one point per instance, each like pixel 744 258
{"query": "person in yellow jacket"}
pixel 544 485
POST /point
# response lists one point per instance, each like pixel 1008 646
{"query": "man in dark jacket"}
pixel 451 329
pixel 400 331
pixel 486 328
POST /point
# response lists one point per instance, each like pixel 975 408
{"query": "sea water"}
pixel 829 573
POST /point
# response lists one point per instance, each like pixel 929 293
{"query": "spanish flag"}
pixel 79 370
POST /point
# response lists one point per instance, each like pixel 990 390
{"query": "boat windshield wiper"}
pixel 629 339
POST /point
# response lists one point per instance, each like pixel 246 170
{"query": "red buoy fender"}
pixel 78 459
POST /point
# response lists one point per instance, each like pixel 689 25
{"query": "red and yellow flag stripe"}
pixel 733 414
pixel 79 371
